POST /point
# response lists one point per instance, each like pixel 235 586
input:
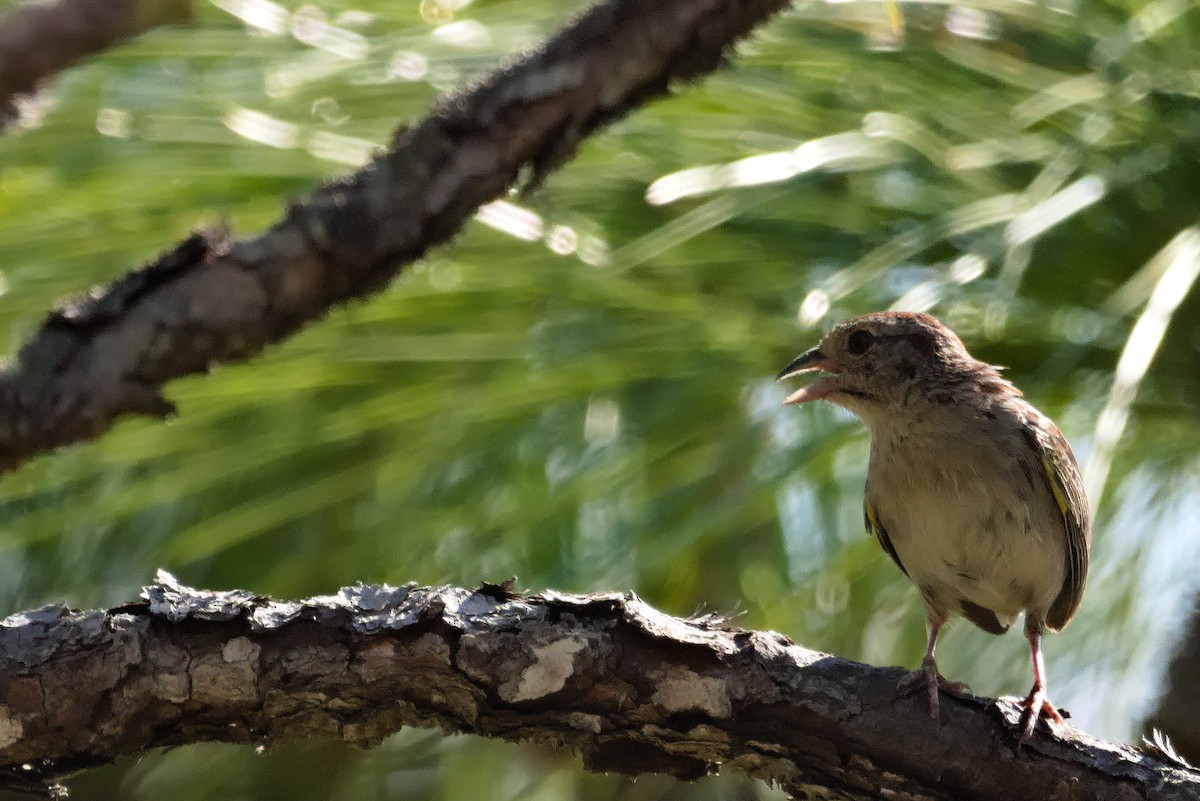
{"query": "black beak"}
pixel 809 360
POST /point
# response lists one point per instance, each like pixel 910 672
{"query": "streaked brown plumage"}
pixel 973 493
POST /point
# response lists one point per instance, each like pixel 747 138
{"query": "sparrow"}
pixel 973 493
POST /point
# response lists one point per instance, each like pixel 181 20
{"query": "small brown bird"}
pixel 973 493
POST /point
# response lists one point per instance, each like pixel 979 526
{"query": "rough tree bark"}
pixel 213 299
pixel 632 689
pixel 42 38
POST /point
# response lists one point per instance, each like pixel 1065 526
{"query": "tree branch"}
pixel 211 299
pixel 42 38
pixel 632 689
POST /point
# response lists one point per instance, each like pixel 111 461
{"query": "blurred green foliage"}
pixel 594 409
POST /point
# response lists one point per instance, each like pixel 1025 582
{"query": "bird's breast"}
pixel 966 520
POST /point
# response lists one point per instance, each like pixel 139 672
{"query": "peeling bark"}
pixel 632 689
pixel 212 299
pixel 40 39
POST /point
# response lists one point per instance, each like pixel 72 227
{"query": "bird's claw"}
pixel 928 677
pixel 1032 708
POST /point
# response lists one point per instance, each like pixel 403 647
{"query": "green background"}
pixel 595 409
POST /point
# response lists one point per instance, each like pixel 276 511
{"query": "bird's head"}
pixel 878 361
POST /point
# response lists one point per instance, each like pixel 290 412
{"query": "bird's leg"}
pixel 1036 704
pixel 928 674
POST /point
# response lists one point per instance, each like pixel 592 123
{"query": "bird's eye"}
pixel 860 342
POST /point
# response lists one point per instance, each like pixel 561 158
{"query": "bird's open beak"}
pixel 804 363
pixel 807 362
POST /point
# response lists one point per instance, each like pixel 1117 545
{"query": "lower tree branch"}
pixel 632 689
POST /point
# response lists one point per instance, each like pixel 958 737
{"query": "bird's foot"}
pixel 928 677
pixel 1033 707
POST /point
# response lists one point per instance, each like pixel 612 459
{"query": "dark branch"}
pixel 212 299
pixel 632 689
pixel 39 39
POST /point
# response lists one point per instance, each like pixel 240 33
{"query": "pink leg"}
pixel 928 674
pixel 1036 704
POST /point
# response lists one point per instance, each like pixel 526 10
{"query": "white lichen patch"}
pixel 11 728
pixel 582 721
pixel 240 649
pixel 685 691
pixel 215 681
pixel 553 665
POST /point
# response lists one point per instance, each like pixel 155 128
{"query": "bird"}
pixel 972 492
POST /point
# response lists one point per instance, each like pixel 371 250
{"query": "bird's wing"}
pixel 871 519
pixel 1065 484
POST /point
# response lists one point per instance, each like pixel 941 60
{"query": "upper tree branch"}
pixel 632 689
pixel 212 299
pixel 41 38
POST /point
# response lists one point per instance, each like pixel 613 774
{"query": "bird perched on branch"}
pixel 971 491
